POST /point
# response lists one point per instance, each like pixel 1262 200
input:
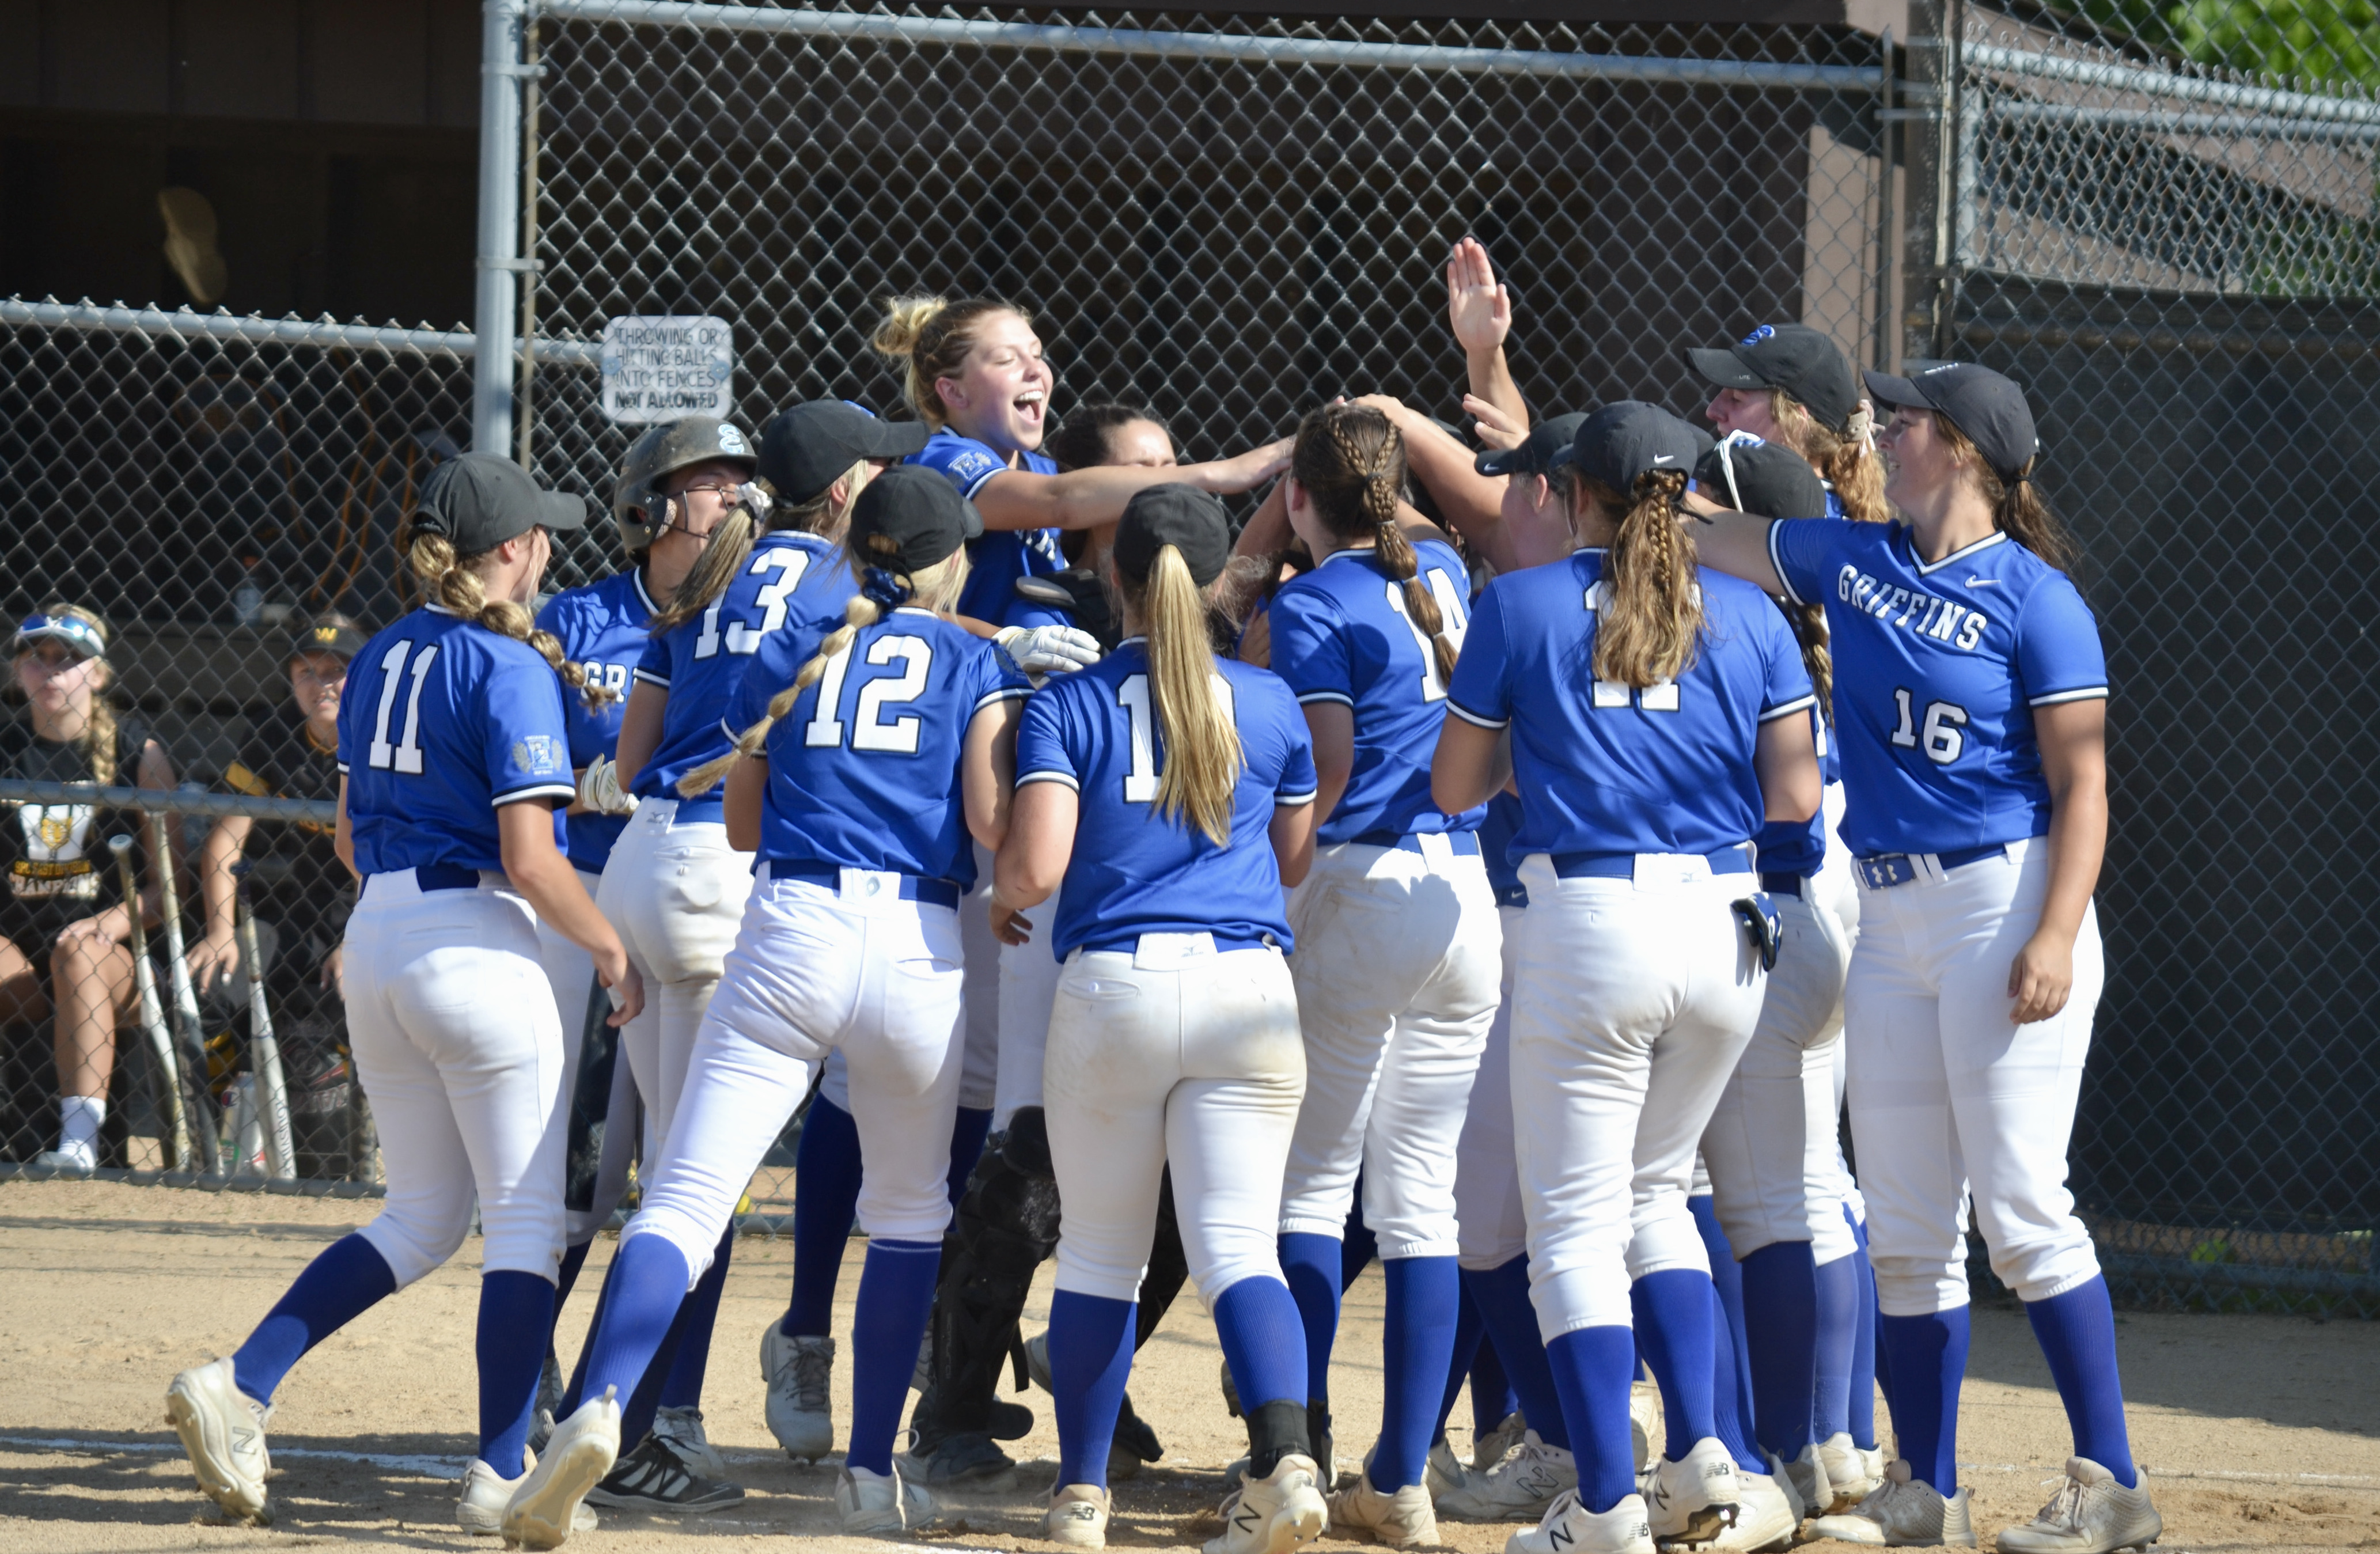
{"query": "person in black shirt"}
pixel 63 922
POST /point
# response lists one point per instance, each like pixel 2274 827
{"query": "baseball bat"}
pixel 153 1017
pixel 187 1026
pixel 263 1051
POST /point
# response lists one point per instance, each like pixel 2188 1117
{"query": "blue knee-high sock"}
pixel 1417 1336
pixel 1836 1286
pixel 826 1196
pixel 1469 1345
pixel 1502 1294
pixel 1727 1277
pixel 2077 1332
pixel 967 1134
pixel 513 1308
pixel 1358 1245
pixel 1673 1330
pixel 1492 1398
pixel 641 1296
pixel 1592 1368
pixel 343 1281
pixel 1780 1329
pixel 1727 1423
pixel 1090 1360
pixel 573 1260
pixel 1263 1335
pixel 695 1320
pixel 1311 1265
pixel 1928 1355
pixel 1867 1351
pixel 896 1290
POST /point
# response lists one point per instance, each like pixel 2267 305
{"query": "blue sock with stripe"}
pixel 1311 1266
pixel 1263 1335
pixel 1780 1321
pixel 641 1296
pixel 1505 1310
pixel 968 1131
pixel 896 1292
pixel 1867 1352
pixel 1416 1337
pixel 346 1279
pixel 1673 1330
pixel 683 1387
pixel 2077 1333
pixel 513 1308
pixel 1090 1360
pixel 1836 1285
pixel 1592 1368
pixel 1928 1355
pixel 826 1197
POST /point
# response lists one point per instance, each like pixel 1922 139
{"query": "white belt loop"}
pixel 1437 850
pixel 1171 952
pixel 869 885
pixel 1668 870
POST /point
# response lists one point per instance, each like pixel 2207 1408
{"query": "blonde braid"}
pixel 1650 619
pixel 452 581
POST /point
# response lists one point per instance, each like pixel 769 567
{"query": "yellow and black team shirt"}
pixel 298 878
pixel 56 855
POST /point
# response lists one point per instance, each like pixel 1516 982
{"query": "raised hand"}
pixel 1478 305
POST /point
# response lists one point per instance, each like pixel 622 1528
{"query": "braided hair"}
pixel 453 581
pixel 1350 460
pixel 1649 619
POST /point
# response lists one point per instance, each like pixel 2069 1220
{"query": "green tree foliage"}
pixel 2316 42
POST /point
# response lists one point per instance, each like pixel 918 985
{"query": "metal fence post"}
pixel 1926 240
pixel 500 185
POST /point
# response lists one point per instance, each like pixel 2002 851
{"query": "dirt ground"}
pixel 2262 1432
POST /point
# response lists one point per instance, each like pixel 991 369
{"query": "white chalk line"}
pixel 2338 1480
pixel 428 1467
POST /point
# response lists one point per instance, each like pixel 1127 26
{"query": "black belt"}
pixel 1781 884
pixel 444 877
pixel 1465 842
pixel 914 887
pixel 1512 895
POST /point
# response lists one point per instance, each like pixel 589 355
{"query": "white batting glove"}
pixel 599 789
pixel 1049 650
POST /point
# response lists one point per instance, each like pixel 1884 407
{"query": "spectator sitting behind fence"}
pixel 64 923
pixel 301 893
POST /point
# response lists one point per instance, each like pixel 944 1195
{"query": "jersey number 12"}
pixel 405 756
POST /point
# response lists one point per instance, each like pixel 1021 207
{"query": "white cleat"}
pixel 222 1429
pixel 1850 1477
pixel 875 1502
pixel 682 1427
pixel 1500 1443
pixel 545 1503
pixel 1804 1480
pixel 485 1496
pixel 1766 1516
pixel 1523 1489
pixel 1077 1516
pixel 1570 1528
pixel 1904 1513
pixel 1273 1514
pixel 798 1372
pixel 1401 1519
pixel 1695 1500
pixel 1443 1473
pixel 2090 1514
pixel 1645 1427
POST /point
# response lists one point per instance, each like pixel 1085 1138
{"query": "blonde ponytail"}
pixel 451 580
pixel 1200 776
pixel 928 338
pixel 1649 619
pixel 936 589
pixel 99 726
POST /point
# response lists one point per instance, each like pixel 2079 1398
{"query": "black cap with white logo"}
pixel 1791 357
pixel 1533 455
pixel 1990 409
pixel 807 448
pixel 1767 480
pixel 1630 438
pixel 908 518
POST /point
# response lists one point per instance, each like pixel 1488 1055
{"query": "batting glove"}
pixel 599 789
pixel 1047 649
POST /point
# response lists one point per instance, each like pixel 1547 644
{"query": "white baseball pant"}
pixel 1632 1001
pixel 815 970
pixel 1028 989
pixel 674 893
pixel 457 1041
pixel 1948 1097
pixel 1771 1144
pixel 1837 888
pixel 1397 961
pixel 1489 1220
pixel 1176 1053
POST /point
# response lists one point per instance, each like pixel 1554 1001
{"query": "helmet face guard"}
pixel 638 508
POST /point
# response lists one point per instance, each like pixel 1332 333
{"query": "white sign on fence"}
pixel 659 368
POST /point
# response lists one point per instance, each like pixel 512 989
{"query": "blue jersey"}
pixel 443 721
pixel 1341 633
pixel 601 628
pixel 1133 872
pixel 1602 767
pixel 789 579
pixel 864 767
pixel 1001 556
pixel 1937 669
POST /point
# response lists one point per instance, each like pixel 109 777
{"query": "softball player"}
pixel 1398 940
pixel 1970 695
pixel 860 781
pixel 1655 717
pixel 455 753
pixel 1167 796
pixel 1790 384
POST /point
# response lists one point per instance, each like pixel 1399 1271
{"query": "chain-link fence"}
pixel 1230 219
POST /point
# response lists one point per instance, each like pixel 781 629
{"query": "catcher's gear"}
pixel 638 505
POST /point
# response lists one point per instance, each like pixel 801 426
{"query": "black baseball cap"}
pixel 908 518
pixel 478 501
pixel 1627 439
pixel 1989 408
pixel 1767 480
pixel 1791 357
pixel 339 637
pixel 1190 520
pixel 1533 455
pixel 807 448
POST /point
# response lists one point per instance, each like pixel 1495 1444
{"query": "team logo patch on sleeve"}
pixel 537 754
pixel 970 466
